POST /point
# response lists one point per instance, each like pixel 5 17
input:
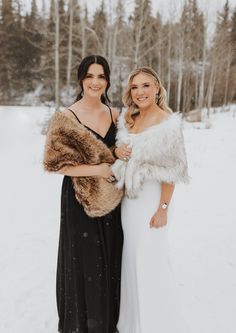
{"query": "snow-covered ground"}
pixel 203 235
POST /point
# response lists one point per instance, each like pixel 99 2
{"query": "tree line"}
pixel 41 50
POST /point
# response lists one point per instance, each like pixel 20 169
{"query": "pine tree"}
pixel 221 56
pixel 233 35
pixel 6 57
pixel 34 10
pixel 74 53
pixel 63 30
pixel 119 35
pixel 232 95
pixel 57 56
pixel 193 45
pixel 31 48
pixel 157 47
pixel 86 34
pixel 77 39
pixel 48 57
pixel 233 32
pixel 12 51
pixel 99 27
pixel 142 26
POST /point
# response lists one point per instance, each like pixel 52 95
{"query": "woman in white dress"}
pixel 151 159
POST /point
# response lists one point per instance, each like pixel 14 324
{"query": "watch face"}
pixel 164 205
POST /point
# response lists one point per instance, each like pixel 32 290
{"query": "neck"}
pixel 146 112
pixel 92 103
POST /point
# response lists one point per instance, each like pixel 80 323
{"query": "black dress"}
pixel 89 263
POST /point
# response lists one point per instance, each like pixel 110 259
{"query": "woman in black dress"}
pixel 89 257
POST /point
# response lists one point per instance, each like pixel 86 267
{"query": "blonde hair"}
pixel 127 99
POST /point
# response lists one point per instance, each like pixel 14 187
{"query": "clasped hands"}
pixel 123 152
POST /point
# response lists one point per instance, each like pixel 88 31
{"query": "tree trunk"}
pixel 169 63
pixel 211 86
pixel 138 37
pixel 196 92
pixel 202 81
pixel 57 69
pixel 110 32
pixel 113 52
pixel 83 35
pixel 69 62
pixel 227 78
pixel 180 76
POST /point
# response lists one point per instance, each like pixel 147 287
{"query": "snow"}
pixel 202 237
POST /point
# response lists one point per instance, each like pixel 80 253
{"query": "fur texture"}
pixel 69 144
pixel 157 153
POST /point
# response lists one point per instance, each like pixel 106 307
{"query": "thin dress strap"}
pixel 110 113
pixel 74 115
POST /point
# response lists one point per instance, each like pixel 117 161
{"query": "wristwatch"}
pixel 164 205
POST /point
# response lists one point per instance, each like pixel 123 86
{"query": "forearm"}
pixel 167 191
pixel 159 218
pixel 82 170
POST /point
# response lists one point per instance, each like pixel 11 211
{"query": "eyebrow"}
pixel 134 85
pixel 101 74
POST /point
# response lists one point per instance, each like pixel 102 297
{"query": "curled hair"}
pixel 127 99
pixel 83 70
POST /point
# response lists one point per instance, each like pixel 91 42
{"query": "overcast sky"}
pixel 160 5
pixel 168 8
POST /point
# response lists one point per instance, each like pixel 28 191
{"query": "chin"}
pixel 97 94
pixel 144 104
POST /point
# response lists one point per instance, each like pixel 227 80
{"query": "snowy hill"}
pixel 202 237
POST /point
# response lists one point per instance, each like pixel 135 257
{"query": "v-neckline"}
pixel 103 137
pixel 89 128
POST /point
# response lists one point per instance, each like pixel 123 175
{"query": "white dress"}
pixel 148 294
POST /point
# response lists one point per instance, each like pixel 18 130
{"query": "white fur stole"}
pixel 158 153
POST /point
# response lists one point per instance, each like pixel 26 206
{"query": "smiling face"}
pixel 94 83
pixel 143 90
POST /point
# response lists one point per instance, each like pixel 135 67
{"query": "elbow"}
pixel 63 171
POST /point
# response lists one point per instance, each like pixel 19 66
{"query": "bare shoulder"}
pixel 72 108
pixel 67 113
pixel 115 114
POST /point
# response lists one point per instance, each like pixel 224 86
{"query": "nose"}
pixel 95 80
pixel 139 91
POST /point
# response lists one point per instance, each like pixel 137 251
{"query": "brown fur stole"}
pixel 69 143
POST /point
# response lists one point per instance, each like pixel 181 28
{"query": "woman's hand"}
pixel 159 219
pixel 123 152
pixel 106 172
